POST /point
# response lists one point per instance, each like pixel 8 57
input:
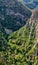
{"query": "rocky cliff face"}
pixel 34 24
pixel 34 18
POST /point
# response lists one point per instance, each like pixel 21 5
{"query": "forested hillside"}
pixel 20 48
pixel 18 34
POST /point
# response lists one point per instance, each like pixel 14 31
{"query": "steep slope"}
pixel 21 47
pixel 13 15
pixel 25 42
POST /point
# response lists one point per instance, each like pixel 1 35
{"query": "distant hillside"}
pixel 33 4
pixel 13 15
pixel 30 3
